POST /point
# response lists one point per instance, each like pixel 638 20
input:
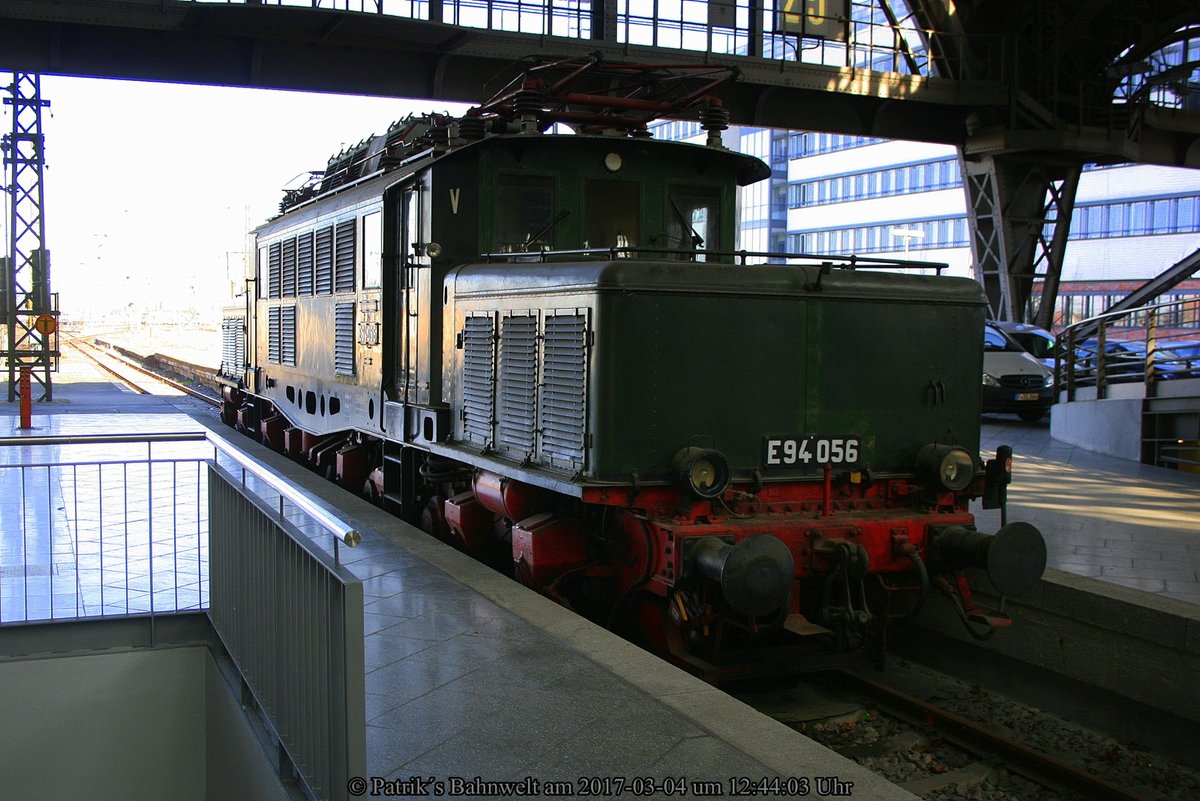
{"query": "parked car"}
pixel 1013 380
pixel 1125 361
pixel 1186 357
pixel 1036 341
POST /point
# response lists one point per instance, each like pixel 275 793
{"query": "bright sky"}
pixel 150 188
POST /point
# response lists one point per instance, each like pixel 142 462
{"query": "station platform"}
pixel 468 674
pixel 1102 517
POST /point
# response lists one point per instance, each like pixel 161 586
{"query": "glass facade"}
pixel 1130 222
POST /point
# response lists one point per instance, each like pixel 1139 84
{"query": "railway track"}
pixel 968 743
pixel 133 375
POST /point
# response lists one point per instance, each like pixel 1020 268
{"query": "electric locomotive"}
pixel 544 348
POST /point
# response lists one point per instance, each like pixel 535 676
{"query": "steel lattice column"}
pixel 26 286
pixel 1019 210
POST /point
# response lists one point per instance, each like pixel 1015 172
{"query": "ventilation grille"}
pixel 479 370
pixel 343 338
pixel 324 261
pixel 289 268
pixel 233 347
pixel 287 336
pixel 273 271
pixel 273 317
pixel 304 264
pixel 564 389
pixel 516 399
pixel 343 261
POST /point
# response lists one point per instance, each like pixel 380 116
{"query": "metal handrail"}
pixel 103 439
pixel 1070 374
pixel 818 260
pixel 323 514
pixel 1117 314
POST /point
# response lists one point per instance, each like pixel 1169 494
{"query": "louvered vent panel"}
pixel 343 338
pixel 273 271
pixel 324 261
pixel 273 335
pixel 232 357
pixel 304 264
pixel 289 268
pixel 563 413
pixel 287 336
pixel 479 378
pixel 516 397
pixel 343 258
pixel 239 354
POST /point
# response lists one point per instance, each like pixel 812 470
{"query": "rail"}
pixel 1151 344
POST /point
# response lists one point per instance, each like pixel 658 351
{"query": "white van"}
pixel 1014 381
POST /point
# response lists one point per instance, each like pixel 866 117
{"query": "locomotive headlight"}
pixel 702 470
pixel 990 380
pixel 433 250
pixel 952 467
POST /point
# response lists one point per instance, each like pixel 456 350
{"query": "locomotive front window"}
pixel 694 219
pixel 525 213
pixel 614 215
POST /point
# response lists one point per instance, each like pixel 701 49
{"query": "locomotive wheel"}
pixel 433 519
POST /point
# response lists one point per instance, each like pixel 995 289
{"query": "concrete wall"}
pixel 1112 426
pixel 136 724
pixel 235 765
pixel 126 725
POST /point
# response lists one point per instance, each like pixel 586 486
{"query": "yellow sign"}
pixel 820 19
pixel 45 324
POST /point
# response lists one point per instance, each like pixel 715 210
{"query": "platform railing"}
pixel 142 533
pixel 292 621
pixel 103 533
pixel 1151 344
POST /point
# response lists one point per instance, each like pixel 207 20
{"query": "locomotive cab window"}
pixel 372 249
pixel 260 268
pixel 525 213
pixel 613 214
pixel 694 218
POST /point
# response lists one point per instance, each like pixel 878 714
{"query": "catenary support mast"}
pixel 30 309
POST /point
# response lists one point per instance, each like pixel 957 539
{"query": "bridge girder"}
pixel 1019 210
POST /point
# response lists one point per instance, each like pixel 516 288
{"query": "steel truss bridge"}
pixel 1029 91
